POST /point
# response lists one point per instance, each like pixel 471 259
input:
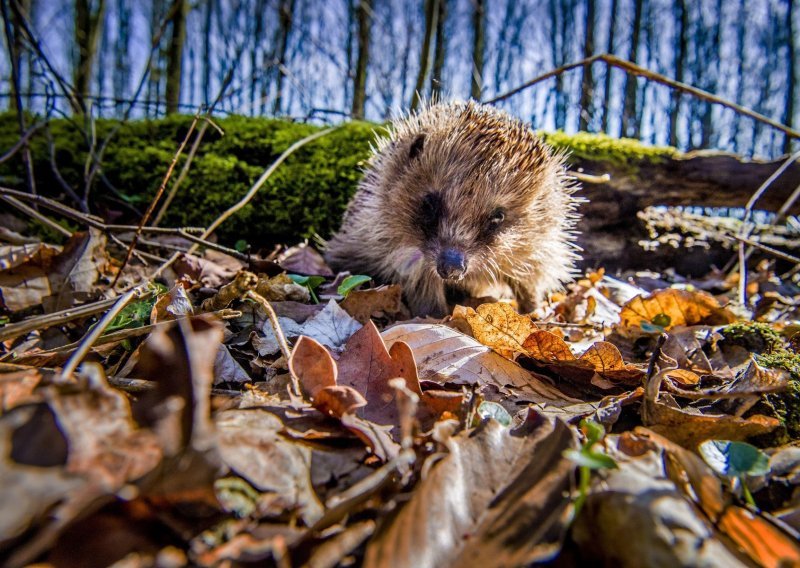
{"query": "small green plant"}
pixel 310 282
pixel 735 461
pixel 588 457
pixel 351 283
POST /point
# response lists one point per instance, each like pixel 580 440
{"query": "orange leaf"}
pixel 677 307
pixel 546 346
pixel 312 365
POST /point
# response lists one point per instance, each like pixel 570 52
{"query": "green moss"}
pixel 625 153
pixel 756 337
pixel 306 195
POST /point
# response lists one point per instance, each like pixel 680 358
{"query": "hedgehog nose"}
pixel 451 264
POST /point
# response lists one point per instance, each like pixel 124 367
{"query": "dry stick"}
pixel 21 142
pixel 250 194
pixel 766 248
pixel 36 215
pixel 276 327
pixel 154 201
pixel 262 180
pixel 97 223
pixel 182 176
pixel 56 318
pixel 745 232
pixel 97 331
pixel 634 69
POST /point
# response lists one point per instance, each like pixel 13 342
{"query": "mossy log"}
pixel 307 195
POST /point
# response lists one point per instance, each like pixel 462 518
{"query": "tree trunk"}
pixel 431 14
pixel 175 55
pixel 285 17
pixel 478 47
pixel 681 42
pixel 629 125
pixel 439 52
pixel 612 17
pixel 207 29
pixel 255 52
pixel 364 16
pixel 88 23
pixel 791 75
pixel 587 82
pixel 122 65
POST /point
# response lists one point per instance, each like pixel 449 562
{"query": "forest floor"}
pixel 222 409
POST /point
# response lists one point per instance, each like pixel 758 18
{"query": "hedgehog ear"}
pixel 416 147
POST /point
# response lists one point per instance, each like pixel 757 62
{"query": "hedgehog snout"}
pixel 451 264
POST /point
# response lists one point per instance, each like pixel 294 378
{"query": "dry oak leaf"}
pixel 673 307
pixel 500 327
pixel 445 355
pixel 317 373
pixel 362 304
pixel 495 500
pixel 601 358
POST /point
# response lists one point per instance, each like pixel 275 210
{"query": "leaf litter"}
pixel 227 419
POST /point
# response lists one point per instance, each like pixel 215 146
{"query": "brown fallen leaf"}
pixel 251 445
pixel 447 356
pixel 499 326
pixel 764 541
pixel 56 279
pixel 172 305
pixel 495 500
pixel 303 259
pixel 364 304
pixel 689 427
pixel 671 307
pixel 204 271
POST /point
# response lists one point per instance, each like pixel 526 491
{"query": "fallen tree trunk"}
pixel 611 230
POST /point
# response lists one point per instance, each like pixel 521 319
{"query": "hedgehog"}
pixel 461 200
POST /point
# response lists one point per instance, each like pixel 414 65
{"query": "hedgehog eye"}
pixel 496 219
pixel 416 147
pixel 430 212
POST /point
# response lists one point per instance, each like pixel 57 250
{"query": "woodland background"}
pixel 323 61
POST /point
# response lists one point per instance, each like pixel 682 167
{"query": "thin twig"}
pixel 276 327
pixel 97 331
pixel 768 249
pixel 36 215
pixel 45 321
pixel 634 69
pixel 146 217
pixel 21 142
pixel 182 176
pixel 262 180
pixel 745 230
pixel 97 223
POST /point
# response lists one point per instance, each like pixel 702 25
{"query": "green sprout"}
pixel 589 458
pixel 735 461
pixel 310 282
pixel 351 283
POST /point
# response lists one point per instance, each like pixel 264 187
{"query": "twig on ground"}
pixel 90 338
pixel 276 327
pixel 13 330
pixel 768 249
pixel 97 223
pixel 250 193
pixel 36 215
pixel 746 230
